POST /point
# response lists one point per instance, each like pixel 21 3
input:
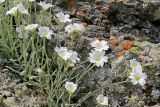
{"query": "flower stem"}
pixel 69 100
pixel 85 72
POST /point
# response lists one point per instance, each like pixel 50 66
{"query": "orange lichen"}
pixel 113 41
pixel 70 5
pixel 104 9
pixel 126 44
pixel 119 54
pixel 80 13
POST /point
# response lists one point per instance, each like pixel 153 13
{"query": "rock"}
pixel 121 14
pixel 11 94
pixel 145 45
pixel 10 101
pixel 155 93
pixel 155 53
pixel 154 45
pixel 145 58
pixel 128 54
pixel 3 61
pixel 157 63
pixel 6 93
pixel 157 105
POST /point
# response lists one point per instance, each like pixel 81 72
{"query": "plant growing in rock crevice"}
pixel 59 70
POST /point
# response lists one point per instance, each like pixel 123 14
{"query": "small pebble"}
pixel 6 93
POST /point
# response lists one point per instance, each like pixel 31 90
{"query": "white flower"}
pixel 38 70
pixel 31 27
pixel 135 65
pixel 74 28
pixel 12 11
pixel 71 87
pixel 1 1
pixel 22 9
pixel 22 33
pixel 63 52
pixel 19 8
pixel 98 58
pixel 100 45
pixel 45 32
pixel 63 18
pixel 45 5
pixel 74 57
pixel 138 77
pixel 103 100
pixel 32 0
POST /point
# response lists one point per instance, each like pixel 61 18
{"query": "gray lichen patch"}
pixel 12 93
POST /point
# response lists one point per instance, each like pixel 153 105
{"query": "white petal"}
pixel 103 100
pixel 1 1
pixel 142 82
pixel 71 87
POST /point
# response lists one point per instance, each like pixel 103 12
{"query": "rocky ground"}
pixel 135 22
pixel 14 92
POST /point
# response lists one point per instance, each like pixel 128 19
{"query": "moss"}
pixel 149 64
pixel 134 50
pixel 137 43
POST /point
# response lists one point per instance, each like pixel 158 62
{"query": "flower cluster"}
pixel 63 52
pixel 63 18
pixel 43 31
pixel 31 27
pixel 21 9
pixel 17 9
pixel 45 5
pixel 66 54
pixel 72 29
pixel 136 74
pixel 97 56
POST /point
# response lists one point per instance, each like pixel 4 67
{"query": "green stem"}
pixel 75 68
pixel 85 72
pixel 13 70
pixel 69 99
